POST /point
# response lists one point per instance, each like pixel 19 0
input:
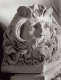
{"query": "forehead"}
pixel 38 13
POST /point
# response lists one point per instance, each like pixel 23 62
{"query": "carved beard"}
pixel 29 34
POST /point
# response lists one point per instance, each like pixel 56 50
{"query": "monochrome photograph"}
pixel 30 40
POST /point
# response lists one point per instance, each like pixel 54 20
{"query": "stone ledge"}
pixel 22 68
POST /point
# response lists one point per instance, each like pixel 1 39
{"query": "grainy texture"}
pixel 32 41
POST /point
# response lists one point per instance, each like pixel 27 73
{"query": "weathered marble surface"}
pixel 32 42
pixel 19 44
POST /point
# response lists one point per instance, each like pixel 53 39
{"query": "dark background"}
pixel 3 76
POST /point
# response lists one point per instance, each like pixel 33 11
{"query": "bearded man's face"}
pixel 31 34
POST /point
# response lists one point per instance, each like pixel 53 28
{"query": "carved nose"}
pixel 38 30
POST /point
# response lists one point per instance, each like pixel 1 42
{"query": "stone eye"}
pixel 38 30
